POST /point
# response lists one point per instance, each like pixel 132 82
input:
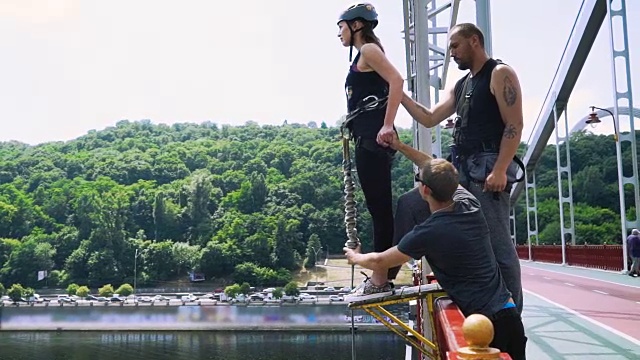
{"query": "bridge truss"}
pixel 427 23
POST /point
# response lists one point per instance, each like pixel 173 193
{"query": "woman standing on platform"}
pixel 372 77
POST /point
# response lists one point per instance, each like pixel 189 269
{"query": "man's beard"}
pixel 462 65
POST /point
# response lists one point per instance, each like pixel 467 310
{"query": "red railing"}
pixel 448 322
pixel 605 257
pixel 523 252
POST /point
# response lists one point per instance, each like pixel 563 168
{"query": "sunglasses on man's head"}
pixel 418 179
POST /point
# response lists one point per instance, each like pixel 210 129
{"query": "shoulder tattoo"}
pixel 509 91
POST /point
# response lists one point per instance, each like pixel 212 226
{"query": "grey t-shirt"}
pixel 457 246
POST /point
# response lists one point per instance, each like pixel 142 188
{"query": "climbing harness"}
pixel 367 104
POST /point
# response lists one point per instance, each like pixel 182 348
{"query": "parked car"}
pixel 65 299
pixel 239 298
pixel 307 297
pixel 38 299
pixel 209 296
pixel 189 298
pixel 160 298
pixel 288 298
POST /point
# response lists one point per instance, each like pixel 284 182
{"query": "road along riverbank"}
pixel 312 317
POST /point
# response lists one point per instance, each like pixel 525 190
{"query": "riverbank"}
pixel 308 317
pixel 345 328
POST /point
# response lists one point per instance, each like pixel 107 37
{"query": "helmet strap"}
pixel 353 33
pixel 351 52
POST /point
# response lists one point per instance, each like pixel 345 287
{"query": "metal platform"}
pixel 374 307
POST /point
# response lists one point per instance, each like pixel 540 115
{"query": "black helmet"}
pixel 364 11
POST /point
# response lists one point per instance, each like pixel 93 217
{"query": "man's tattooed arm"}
pixel 509 91
pixel 510 131
pixel 508 95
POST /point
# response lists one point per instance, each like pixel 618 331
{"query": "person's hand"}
pixel 495 182
pixel 395 141
pixel 352 254
pixel 385 135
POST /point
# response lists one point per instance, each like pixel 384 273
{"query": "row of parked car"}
pixel 265 295
pixel 67 299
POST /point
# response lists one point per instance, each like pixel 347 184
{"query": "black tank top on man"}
pixel 359 85
pixel 484 128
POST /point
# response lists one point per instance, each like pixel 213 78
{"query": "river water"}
pixel 196 345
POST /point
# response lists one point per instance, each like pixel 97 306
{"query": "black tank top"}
pixel 358 86
pixel 484 124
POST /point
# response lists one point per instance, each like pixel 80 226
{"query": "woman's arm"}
pixel 374 58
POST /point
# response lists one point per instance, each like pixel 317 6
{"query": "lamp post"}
pixel 315 260
pixel 135 273
pixel 593 120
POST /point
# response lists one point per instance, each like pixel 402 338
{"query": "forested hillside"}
pixel 595 191
pixel 217 200
pixel 252 202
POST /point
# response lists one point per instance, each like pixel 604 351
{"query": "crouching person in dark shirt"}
pixel 455 241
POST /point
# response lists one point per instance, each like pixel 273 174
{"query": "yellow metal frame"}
pixel 413 337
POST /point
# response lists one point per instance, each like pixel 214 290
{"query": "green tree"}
pixel 2 289
pixel 232 291
pixel 166 218
pixel 199 192
pixel 72 289
pixel 185 257
pixel 245 288
pixel 159 261
pixel 277 293
pixel 286 236
pixel 159 215
pixel 291 289
pixel 247 273
pixel 106 290
pixel 16 292
pixel 313 249
pixel 29 292
pixel 57 278
pixel 217 258
pixel 82 291
pixel 588 186
pixel 26 260
pixel 259 191
pixel 125 290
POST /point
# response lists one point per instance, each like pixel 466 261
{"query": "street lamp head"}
pixel 593 117
pixel 593 120
pixel 450 124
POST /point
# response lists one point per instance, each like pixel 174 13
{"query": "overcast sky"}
pixel 69 66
